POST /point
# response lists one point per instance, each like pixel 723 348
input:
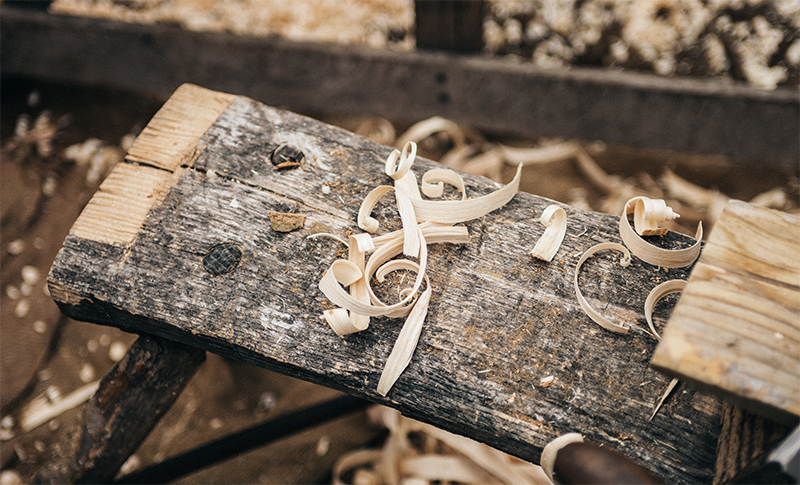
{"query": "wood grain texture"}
pixel 498 323
pixel 490 94
pixel 170 138
pixel 736 328
pixel 745 440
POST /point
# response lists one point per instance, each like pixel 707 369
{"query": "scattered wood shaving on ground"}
pixel 420 453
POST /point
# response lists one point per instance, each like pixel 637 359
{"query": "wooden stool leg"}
pixel 744 443
pixel 131 399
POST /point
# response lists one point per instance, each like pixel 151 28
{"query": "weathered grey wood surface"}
pixel 630 108
pixel 499 320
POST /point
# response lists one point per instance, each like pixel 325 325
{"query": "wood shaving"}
pixel 650 214
pixel 446 458
pixel 587 308
pixel 550 451
pixel 657 293
pixel 43 408
pixel 423 221
pixel 554 219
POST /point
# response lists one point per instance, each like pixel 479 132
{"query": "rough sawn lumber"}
pixel 499 321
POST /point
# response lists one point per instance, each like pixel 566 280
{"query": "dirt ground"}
pixel 47 356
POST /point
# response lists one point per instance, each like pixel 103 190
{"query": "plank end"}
pixel 170 138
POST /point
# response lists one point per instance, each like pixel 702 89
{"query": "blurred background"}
pixel 69 113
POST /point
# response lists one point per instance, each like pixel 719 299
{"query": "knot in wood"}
pixel 222 258
pixel 287 156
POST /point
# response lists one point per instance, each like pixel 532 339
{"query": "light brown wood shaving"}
pixel 446 457
pixel 554 219
pixel 596 316
pixel 644 211
pixel 423 221
pixel 657 293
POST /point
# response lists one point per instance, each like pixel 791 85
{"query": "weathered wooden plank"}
pixel 131 399
pixel 499 320
pixel 736 329
pixel 635 109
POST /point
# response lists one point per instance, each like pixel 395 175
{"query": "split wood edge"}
pixel 115 214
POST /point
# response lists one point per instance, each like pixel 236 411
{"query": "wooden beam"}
pixel 736 328
pixel 745 442
pixel 498 95
pixel 130 401
pixel 205 268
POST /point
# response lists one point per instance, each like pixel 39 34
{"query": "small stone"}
pixel 284 222
pixel 26 289
pixel 326 189
pixel 105 340
pixel 215 423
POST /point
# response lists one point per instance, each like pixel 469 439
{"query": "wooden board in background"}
pixel 499 321
pixel 490 94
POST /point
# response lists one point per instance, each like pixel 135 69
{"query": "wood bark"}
pixel 499 322
pixel 131 399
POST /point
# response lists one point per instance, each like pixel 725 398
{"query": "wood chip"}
pixel 285 222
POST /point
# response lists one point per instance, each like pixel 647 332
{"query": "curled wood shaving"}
pixel 455 211
pixel 446 457
pixel 551 450
pixel 423 221
pixel 657 293
pixel 423 129
pixel 649 214
pixel 554 219
pixel 587 308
